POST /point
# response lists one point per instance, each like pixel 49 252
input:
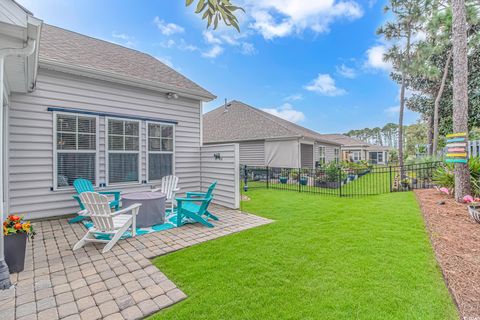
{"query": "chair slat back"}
pixel 169 184
pixel 209 192
pixel 98 209
pixel 83 185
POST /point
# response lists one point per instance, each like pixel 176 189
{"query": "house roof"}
pixel 58 45
pixel 242 122
pixel 347 141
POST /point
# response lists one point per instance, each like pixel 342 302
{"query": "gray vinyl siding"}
pixel 306 155
pixel 329 151
pixel 225 171
pixel 31 137
pixel 252 153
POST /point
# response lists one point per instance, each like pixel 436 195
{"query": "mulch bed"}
pixel 456 240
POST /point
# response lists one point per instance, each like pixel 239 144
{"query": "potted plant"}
pixel 304 177
pixel 283 176
pixel 16 232
pixel 473 207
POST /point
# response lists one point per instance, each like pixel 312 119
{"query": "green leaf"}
pixel 188 2
pixel 200 6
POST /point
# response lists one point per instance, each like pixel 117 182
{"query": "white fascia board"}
pixel 126 80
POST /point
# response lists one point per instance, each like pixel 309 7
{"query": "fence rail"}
pixel 341 182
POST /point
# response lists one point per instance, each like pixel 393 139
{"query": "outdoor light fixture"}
pixel 172 95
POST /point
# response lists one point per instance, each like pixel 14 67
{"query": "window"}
pixel 321 155
pixel 123 150
pixel 355 156
pixel 336 155
pixel 76 149
pixel 160 150
pixel 376 157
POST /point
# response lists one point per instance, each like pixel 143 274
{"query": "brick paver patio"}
pixel 58 283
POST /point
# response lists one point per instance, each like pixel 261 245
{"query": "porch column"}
pixel 4 274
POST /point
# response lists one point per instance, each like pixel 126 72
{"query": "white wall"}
pixel 226 171
pixel 31 137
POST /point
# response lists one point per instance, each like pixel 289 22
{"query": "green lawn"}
pixel 323 258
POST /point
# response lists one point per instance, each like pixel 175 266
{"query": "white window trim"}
pixel 139 152
pixel 336 155
pixel 55 150
pixel 324 156
pixel 147 151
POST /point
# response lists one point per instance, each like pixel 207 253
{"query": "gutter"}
pixel 126 80
pixel 26 51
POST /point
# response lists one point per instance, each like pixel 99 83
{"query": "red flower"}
pixel 15 218
pixel 18 226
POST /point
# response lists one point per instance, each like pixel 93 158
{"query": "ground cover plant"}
pixel 323 258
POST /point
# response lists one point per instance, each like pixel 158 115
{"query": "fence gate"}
pixel 341 182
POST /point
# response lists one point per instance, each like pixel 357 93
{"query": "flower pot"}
pixel 473 211
pixel 283 180
pixel 303 181
pixel 15 246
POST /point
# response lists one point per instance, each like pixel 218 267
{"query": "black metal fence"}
pixel 342 181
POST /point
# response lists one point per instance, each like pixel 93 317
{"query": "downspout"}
pixel 20 52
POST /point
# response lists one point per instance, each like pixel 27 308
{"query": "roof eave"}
pixel 126 80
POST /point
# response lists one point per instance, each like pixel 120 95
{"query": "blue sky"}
pixel 315 62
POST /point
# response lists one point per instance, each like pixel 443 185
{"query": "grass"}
pixel 323 258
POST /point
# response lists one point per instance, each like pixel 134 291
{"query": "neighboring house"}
pixel 75 106
pixel 267 140
pixel 356 150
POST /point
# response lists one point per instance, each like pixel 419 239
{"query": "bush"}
pixel 445 176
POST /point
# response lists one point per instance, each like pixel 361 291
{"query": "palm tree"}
pixel 460 90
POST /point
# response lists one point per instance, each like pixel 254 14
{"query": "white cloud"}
pixel 325 85
pixel 280 18
pixel 210 38
pixel 294 97
pixel 287 112
pixel 375 58
pixel 123 39
pixel 181 44
pixel 346 72
pixel 392 110
pixel 214 52
pixel 167 29
pixel 248 49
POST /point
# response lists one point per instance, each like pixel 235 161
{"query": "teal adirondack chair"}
pixel 195 207
pixel 83 185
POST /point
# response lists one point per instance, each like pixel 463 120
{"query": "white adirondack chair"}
pixel 106 222
pixel 168 186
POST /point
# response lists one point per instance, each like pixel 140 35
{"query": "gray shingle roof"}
pixel 243 123
pixel 63 46
pixel 352 142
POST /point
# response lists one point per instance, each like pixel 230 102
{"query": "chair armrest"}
pixel 128 209
pixel 176 189
pixel 192 199
pixel 83 213
pixel 156 190
pixel 195 194
pixel 76 197
pixel 114 193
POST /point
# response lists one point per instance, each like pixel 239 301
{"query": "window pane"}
pixel 167 131
pixel 167 144
pixel 131 128
pixel 115 127
pixel 154 144
pixel 66 123
pixel 122 167
pixel 86 142
pixel 131 143
pixel 71 166
pixel 159 166
pixel 115 143
pixel 154 130
pixel 66 141
pixel 86 125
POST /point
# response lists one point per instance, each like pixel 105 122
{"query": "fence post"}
pixel 268 177
pixel 340 181
pixel 298 179
pixel 390 179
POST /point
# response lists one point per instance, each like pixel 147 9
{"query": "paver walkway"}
pixel 122 284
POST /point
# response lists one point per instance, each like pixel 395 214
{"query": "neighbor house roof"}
pixel 241 122
pixel 60 46
pixel 347 141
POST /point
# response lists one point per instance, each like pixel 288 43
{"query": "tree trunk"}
pixel 460 91
pixel 437 104
pixel 430 135
pixel 405 62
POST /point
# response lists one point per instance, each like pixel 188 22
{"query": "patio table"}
pixel 152 211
